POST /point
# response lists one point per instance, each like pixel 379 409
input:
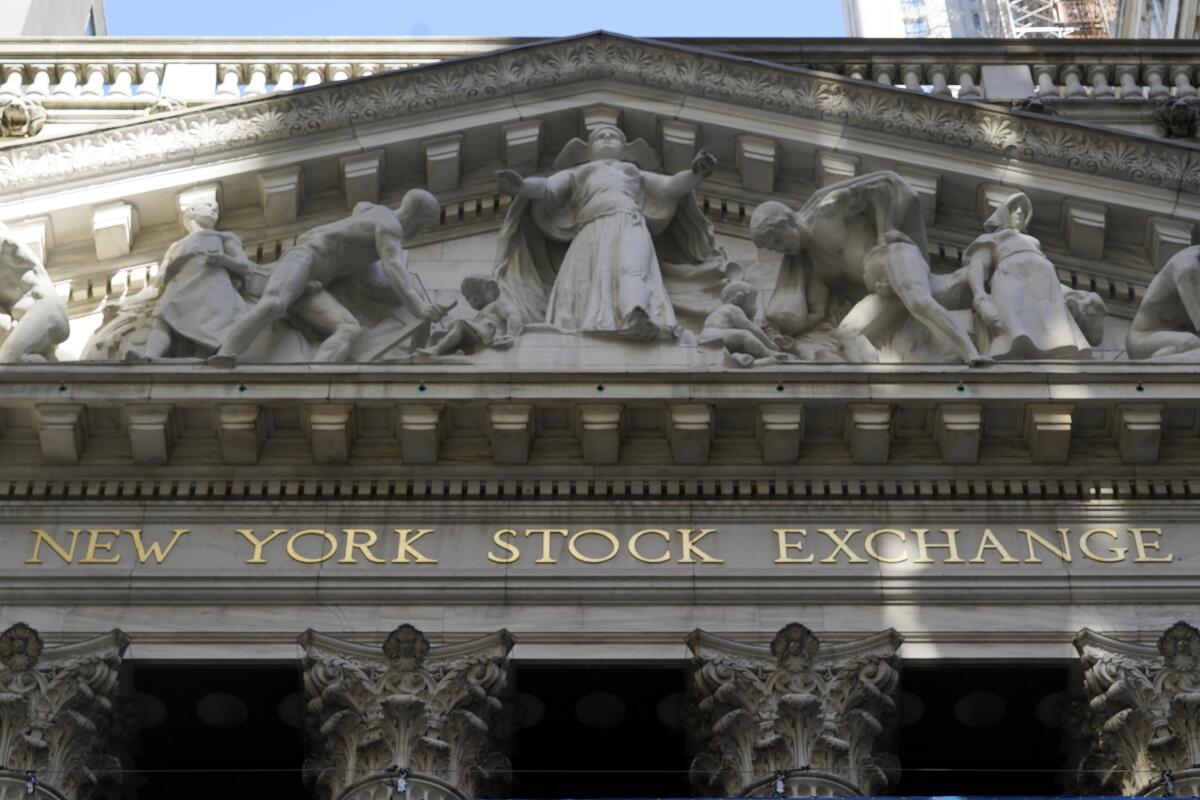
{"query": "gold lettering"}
pixel 40 537
pixel 352 544
pixel 1142 544
pixel 546 533
pixel 329 538
pixel 614 546
pixel 869 545
pixel 841 545
pixel 989 542
pixel 633 546
pixel 259 544
pixel 784 545
pixel 94 545
pixel 509 546
pixel 690 548
pixel 404 547
pixel 1032 536
pixel 155 550
pixel 1118 552
pixel 951 546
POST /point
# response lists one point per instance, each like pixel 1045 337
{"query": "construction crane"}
pixel 1056 19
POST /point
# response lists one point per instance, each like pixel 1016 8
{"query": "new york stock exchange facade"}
pixel 598 417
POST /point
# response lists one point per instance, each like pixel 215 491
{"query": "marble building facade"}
pixel 417 366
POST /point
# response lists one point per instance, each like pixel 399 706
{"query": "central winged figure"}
pixel 617 218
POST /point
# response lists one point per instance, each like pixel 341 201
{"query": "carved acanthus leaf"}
pixel 405 706
pixel 795 707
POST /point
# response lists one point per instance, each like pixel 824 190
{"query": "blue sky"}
pixel 471 17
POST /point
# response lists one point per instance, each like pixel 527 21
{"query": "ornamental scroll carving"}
pixel 407 715
pixel 815 718
pixel 56 714
pixel 1144 705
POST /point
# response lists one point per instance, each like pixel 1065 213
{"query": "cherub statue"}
pixel 608 205
pixel 732 325
pixel 1168 320
pixel 36 316
pixel 496 325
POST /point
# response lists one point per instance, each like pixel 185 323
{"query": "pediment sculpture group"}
pixel 607 246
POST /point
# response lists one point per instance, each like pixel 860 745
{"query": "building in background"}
pixel 53 18
pixel 1021 19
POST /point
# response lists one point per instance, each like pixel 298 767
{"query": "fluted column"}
pixel 794 719
pixel 56 716
pixel 405 718
pixel 1144 712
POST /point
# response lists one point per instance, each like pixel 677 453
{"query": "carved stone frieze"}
pixel 1144 705
pixel 796 716
pixel 407 715
pixel 460 83
pixel 56 716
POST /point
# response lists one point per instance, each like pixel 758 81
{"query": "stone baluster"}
pixel 56 716
pixel 912 76
pixel 150 80
pixel 407 711
pixel 1098 77
pixel 795 716
pixel 967 88
pixel 96 76
pixel 1144 711
pixel 285 77
pixel 937 77
pixel 14 76
pixel 339 71
pixel 1127 78
pixel 1181 76
pixel 231 77
pixel 122 77
pixel 313 73
pixel 257 84
pixel 1072 76
pixel 68 81
pixel 365 69
pixel 1155 84
pixel 857 71
pixel 883 74
pixel 40 85
pixel 1045 74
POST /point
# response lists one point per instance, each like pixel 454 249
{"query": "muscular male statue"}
pixel 1168 320
pixel 38 315
pixel 868 231
pixel 346 249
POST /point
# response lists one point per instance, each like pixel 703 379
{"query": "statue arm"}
pixel 1187 286
pixel 979 265
pixel 394 261
pixel 234 260
pixel 688 180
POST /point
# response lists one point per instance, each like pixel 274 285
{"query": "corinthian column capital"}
pixel 814 719
pixel 1144 705
pixel 56 715
pixel 405 716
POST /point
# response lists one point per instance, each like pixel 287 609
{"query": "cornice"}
pixel 217 132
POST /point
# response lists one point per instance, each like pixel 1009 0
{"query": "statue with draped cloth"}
pixel 607 245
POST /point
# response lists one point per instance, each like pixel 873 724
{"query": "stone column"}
pixel 405 720
pixel 794 719
pixel 1144 713
pixel 56 716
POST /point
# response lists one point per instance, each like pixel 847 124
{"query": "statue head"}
pixel 200 210
pixel 418 210
pixel 743 295
pixel 774 226
pixel 607 141
pixel 480 290
pixel 1015 213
